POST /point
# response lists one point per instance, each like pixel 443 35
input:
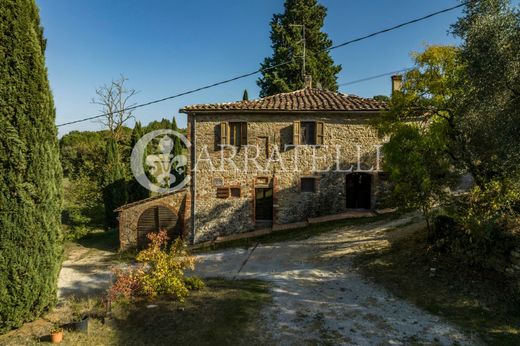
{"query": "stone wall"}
pixel 217 216
pixel 129 216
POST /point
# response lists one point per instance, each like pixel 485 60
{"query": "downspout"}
pixel 193 184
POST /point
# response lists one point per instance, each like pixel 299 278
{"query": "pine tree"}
pixel 30 178
pixel 136 191
pixel 245 96
pixel 287 41
pixel 115 192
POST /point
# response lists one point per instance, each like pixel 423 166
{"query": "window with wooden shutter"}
pixel 319 133
pixel 222 192
pixel 243 138
pixel 308 133
pixel 224 133
pixel 237 133
pixel 296 133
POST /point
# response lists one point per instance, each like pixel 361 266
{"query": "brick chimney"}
pixel 397 83
pixel 308 81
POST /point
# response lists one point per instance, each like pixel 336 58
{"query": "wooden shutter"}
pixel 319 133
pixel 243 133
pixel 296 133
pixel 224 133
pixel 222 192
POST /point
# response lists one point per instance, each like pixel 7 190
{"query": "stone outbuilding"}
pixel 139 218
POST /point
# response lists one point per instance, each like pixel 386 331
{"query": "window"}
pixel 308 133
pixel 237 133
pixel 308 184
pixel 226 192
pixel 223 192
pixel 235 192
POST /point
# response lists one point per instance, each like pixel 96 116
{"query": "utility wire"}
pixel 269 68
pixel 374 77
pixel 398 26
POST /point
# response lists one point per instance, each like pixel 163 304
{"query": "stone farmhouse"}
pixel 270 163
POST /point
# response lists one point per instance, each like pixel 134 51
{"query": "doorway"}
pixel 264 205
pixel 154 219
pixel 358 190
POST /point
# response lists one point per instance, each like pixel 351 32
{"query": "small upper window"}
pixel 308 133
pixel 235 192
pixel 308 185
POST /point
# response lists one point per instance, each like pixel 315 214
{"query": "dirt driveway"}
pixel 85 272
pixel 319 298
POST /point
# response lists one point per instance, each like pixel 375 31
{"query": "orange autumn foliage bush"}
pixel 159 271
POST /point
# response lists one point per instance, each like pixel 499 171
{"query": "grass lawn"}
pixel 225 312
pixel 475 299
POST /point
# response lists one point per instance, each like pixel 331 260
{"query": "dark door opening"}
pixel 358 190
pixel 263 205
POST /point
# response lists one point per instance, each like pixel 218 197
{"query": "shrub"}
pixel 159 271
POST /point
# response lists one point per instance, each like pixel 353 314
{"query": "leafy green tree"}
pixel 300 23
pixel 490 106
pixel 422 149
pixel 115 193
pixel 245 96
pixel 137 191
pixel 382 98
pixel 30 179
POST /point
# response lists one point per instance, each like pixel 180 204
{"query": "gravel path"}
pixel 86 272
pixel 319 298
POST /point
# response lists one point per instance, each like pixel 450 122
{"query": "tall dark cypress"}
pixel 136 191
pixel 115 191
pixel 30 171
pixel 283 70
pixel 176 170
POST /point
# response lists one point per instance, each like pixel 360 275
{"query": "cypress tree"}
pixel 177 151
pixel 245 96
pixel 287 37
pixel 115 192
pixel 136 191
pixel 30 179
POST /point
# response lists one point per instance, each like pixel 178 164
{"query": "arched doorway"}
pixel 152 220
pixel 358 190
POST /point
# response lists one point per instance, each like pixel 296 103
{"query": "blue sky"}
pixel 166 47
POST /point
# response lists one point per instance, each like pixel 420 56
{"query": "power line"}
pixel 398 26
pixel 374 77
pixel 268 68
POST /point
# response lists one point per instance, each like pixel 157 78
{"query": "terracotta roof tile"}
pixel 307 99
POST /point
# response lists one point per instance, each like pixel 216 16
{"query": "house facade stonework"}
pixel 280 160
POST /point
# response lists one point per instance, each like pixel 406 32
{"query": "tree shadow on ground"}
pixel 479 300
pixel 225 312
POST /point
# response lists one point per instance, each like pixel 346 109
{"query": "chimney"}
pixel 308 81
pixel 397 83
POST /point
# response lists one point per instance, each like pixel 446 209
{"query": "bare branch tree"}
pixel 114 100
